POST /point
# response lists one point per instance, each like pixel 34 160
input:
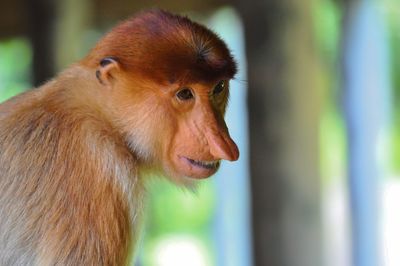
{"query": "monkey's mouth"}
pixel 209 165
pixel 197 168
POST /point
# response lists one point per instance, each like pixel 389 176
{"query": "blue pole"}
pixel 366 89
pixel 232 221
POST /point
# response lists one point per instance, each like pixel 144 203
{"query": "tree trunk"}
pixel 42 15
pixel 283 102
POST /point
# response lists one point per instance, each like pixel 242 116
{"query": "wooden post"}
pixel 284 106
pixel 42 16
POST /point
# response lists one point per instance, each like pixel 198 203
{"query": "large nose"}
pixel 221 144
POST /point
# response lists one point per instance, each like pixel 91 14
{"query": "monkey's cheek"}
pixel 187 167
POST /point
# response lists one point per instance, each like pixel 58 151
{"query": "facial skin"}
pixel 186 134
pixel 177 99
pixel 150 97
pixel 202 139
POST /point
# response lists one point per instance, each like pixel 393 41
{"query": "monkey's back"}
pixel 63 183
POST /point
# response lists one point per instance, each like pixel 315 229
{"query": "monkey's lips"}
pixel 204 164
pixel 200 168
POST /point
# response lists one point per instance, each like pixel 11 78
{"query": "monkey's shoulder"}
pixel 45 121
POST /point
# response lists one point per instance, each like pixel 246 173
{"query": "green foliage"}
pixel 327 16
pixel 393 21
pixel 15 62
pixel 173 209
pixel 332 145
pixel 327 28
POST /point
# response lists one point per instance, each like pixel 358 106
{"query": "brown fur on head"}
pixel 146 61
pixel 166 48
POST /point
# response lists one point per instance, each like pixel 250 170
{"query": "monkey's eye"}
pixel 185 94
pixel 219 87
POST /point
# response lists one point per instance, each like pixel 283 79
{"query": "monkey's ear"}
pixel 106 70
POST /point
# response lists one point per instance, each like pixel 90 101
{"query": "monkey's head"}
pixel 165 79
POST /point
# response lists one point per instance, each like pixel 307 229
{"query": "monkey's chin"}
pixel 196 168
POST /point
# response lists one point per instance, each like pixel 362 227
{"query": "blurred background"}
pixel 314 109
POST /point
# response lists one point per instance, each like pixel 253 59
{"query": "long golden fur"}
pixel 72 151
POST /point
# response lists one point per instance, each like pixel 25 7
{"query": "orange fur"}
pixel 73 152
pixel 188 51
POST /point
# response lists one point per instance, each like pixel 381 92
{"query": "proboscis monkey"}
pixel 148 99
